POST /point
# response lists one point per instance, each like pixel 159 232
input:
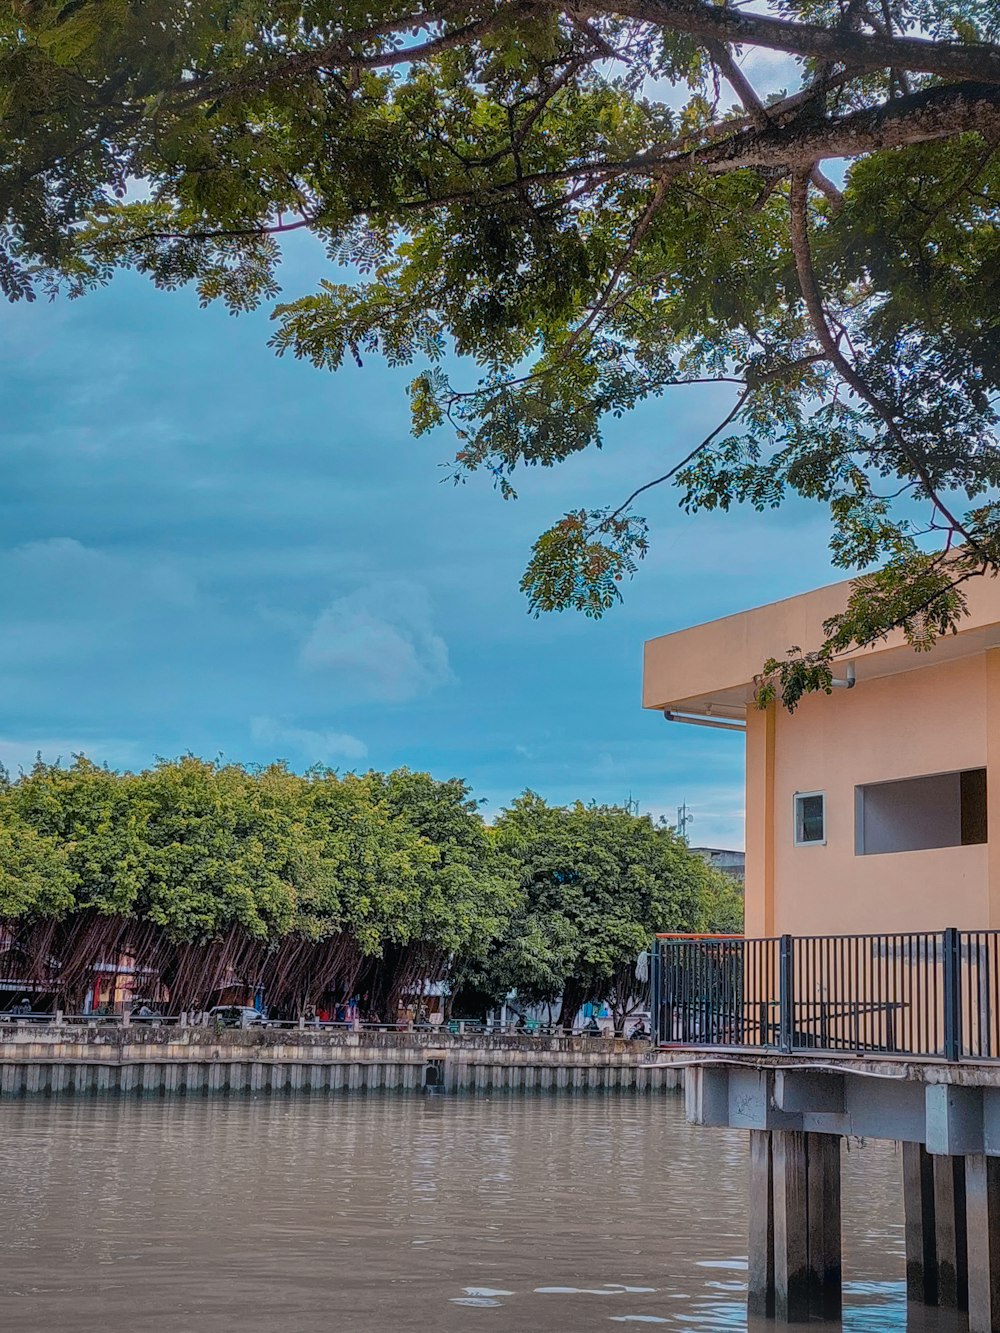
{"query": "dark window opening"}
pixel 917 814
pixel 810 818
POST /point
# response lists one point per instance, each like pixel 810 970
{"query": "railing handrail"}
pixel 928 994
pixel 858 935
pixel 694 935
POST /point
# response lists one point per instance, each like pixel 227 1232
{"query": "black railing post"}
pixel 952 961
pixel 786 993
pixel 655 991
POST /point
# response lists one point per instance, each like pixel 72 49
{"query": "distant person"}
pixel 640 1032
pixel 593 1028
pixel 23 1006
pixel 145 1011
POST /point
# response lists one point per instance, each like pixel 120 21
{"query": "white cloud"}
pixel 379 643
pixel 314 746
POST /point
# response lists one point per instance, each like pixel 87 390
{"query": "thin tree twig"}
pixel 668 476
pixel 221 233
pixel 635 240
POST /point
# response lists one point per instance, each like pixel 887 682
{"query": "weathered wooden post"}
pixel 982 1198
pixel 760 1266
pixel 918 1213
pixel 791 1227
pixel 794 1255
pixel 950 1232
pixel 823 1198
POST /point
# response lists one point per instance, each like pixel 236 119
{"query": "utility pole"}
pixel 684 817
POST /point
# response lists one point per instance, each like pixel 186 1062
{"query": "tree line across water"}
pixel 322 887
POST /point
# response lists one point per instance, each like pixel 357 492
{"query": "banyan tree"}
pixel 193 879
pixel 197 876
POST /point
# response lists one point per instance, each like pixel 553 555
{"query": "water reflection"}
pixel 349 1215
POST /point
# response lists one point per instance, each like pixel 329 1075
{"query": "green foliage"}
pixel 581 561
pixel 216 852
pixel 94 817
pixel 400 865
pixel 598 882
pixel 199 849
pixel 570 204
pixel 468 888
pixel 381 862
pixel 722 905
pixel 35 882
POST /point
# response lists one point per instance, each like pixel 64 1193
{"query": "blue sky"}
pixel 205 548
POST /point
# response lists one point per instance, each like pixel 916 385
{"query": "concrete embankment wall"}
pixel 198 1062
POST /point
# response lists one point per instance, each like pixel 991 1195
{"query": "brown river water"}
pixel 346 1215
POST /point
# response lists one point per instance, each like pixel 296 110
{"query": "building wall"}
pixel 933 719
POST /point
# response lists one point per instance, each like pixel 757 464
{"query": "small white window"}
pixel 810 818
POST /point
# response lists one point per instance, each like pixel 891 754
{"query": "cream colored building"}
pixel 869 809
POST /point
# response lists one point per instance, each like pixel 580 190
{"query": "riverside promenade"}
pixel 150 1061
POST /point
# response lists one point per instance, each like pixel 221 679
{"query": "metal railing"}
pixel 924 994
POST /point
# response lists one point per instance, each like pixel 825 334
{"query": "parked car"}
pixel 236 1016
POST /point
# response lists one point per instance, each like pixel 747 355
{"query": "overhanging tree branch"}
pixel 760 116
pixel 860 50
pixel 940 112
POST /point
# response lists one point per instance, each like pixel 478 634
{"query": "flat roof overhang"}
pixel 710 669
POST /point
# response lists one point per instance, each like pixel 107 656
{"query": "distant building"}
pixel 722 858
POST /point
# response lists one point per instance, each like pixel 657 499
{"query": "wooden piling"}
pixel 950 1232
pixel 823 1211
pixel 794 1268
pixel 760 1275
pixel 920 1232
pixel 982 1198
pixel 791 1226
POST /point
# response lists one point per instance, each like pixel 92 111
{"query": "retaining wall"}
pixel 164 1061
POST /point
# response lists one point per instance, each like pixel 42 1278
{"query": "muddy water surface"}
pixel 348 1215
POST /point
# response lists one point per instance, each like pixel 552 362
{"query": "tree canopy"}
pixel 361 884
pixel 198 868
pixel 598 882
pixel 591 205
